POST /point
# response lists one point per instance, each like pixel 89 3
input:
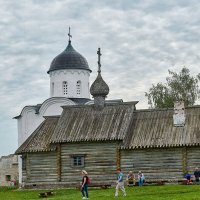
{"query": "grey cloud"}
pixel 140 41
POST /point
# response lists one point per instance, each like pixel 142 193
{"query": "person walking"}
pixel 84 185
pixel 120 183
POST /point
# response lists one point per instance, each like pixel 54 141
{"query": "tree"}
pixel 179 87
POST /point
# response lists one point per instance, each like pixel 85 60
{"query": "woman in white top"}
pixel 140 178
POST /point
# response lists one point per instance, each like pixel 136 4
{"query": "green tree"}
pixel 179 87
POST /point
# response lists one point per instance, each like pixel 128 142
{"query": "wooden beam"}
pixel 27 161
pixel 184 160
pixel 59 164
pixel 118 159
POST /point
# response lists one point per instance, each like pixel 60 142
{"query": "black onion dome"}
pixel 69 59
pixel 99 87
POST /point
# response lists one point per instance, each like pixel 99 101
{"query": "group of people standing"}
pixel 120 182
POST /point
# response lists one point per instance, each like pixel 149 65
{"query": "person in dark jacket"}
pixel 84 185
pixel 196 175
pixel 188 178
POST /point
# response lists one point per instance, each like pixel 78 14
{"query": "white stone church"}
pixel 69 74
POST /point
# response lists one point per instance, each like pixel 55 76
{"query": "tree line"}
pixel 180 86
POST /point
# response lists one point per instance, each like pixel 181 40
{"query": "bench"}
pixel 105 186
pixel 157 182
pixel 46 194
pixel 162 182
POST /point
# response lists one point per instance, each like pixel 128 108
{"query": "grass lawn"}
pixel 166 192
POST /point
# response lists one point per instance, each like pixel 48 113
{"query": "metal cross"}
pixel 99 60
pixel 70 36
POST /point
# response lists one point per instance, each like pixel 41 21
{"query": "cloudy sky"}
pixel 140 41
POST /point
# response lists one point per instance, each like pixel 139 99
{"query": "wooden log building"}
pixel 117 136
pixel 102 137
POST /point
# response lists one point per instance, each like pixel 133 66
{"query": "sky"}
pixel 140 40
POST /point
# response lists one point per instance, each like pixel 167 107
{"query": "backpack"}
pixel 88 180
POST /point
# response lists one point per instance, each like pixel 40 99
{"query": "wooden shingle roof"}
pixel 155 128
pixel 85 123
pixel 40 139
pixel 135 128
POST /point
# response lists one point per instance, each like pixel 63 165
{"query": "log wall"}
pixel 156 164
pixel 100 162
pixel 41 168
pixel 193 158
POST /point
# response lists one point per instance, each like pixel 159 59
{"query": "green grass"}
pixel 166 192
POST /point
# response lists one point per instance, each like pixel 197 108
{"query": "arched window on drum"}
pixel 65 87
pixel 78 88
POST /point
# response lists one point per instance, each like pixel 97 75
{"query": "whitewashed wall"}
pixel 29 120
pixel 71 77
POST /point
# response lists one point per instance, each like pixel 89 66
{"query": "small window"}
pixel 65 88
pixel 8 177
pixel 78 87
pixel 78 161
pixel 52 89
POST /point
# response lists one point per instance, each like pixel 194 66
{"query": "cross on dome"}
pixel 70 36
pixel 99 60
pixel 99 89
